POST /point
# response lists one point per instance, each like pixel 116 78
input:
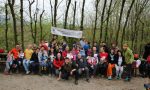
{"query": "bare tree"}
pixel 6 25
pixel 96 17
pixel 74 14
pixel 120 18
pixel 41 27
pixel 128 14
pixel 108 15
pixel 66 14
pixel 55 13
pixel 35 22
pixel 11 6
pixel 102 21
pixel 31 19
pixel 82 16
pixel 21 20
pixel 52 19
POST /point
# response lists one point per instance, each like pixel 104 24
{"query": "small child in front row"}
pixel 9 60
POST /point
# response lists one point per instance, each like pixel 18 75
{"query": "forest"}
pixel 119 21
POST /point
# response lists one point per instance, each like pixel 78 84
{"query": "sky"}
pixel 61 8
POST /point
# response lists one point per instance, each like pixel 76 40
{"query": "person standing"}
pixel 129 58
pixel 28 53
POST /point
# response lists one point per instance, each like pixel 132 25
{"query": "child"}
pixel 21 57
pixel 43 56
pixel 9 60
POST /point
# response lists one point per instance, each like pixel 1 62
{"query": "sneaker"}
pixel 27 72
pixel 127 79
pixel 109 78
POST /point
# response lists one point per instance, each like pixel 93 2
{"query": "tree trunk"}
pixel 82 16
pixel 95 26
pixel 31 20
pixel 52 20
pixel 102 21
pixel 66 14
pixel 55 13
pixel 21 20
pixel 11 5
pixel 128 14
pixel 74 14
pixel 120 18
pixel 41 27
pixel 108 15
pixel 6 23
pixel 35 22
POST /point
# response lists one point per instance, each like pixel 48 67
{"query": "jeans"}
pixel 65 75
pixel 86 70
pixel 128 70
pixel 15 63
pixel 26 64
pixel 51 68
pixel 34 67
pixel 119 70
pixel 8 65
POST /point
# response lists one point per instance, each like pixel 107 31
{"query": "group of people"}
pixel 79 60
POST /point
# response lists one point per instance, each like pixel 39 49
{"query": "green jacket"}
pixel 129 57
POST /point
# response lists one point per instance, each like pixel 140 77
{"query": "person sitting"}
pixel 69 69
pixel 58 63
pixel 119 63
pixel 92 64
pixel 50 61
pixel 103 61
pixel 15 63
pixel 34 61
pixel 26 62
pixel 82 67
pixel 43 56
pixel 9 61
pixel 111 64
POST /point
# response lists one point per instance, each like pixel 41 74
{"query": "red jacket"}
pixel 64 54
pixel 15 53
pixel 58 63
pixel 148 59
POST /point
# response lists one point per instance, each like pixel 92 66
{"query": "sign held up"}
pixel 66 32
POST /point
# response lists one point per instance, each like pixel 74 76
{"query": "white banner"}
pixel 66 32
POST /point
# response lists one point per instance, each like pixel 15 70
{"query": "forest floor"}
pixel 35 82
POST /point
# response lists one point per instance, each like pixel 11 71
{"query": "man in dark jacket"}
pixel 34 61
pixel 82 67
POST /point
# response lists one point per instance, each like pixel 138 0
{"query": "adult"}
pixel 69 69
pixel 15 53
pixel 34 61
pixel 26 62
pixel 111 64
pixel 58 63
pixel 103 61
pixel 119 63
pixel 43 57
pixel 146 56
pixel 129 58
pixel 82 67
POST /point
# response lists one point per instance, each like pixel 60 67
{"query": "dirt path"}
pixel 35 82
